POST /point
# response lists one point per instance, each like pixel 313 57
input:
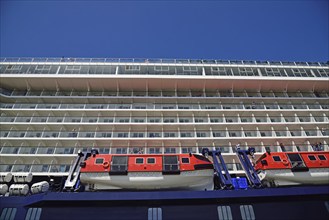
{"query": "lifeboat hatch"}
pixel 297 163
pixel 119 165
pixel 170 165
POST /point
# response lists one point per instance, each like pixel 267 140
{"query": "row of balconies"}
pixel 176 106
pixel 36 168
pixel 177 133
pixel 166 94
pixel 164 70
pixel 52 150
pixel 62 167
pixel 38 150
pixel 45 60
pixel 178 119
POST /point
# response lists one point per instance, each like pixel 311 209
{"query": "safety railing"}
pixel 157 60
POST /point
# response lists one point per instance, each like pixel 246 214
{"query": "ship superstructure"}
pixel 53 107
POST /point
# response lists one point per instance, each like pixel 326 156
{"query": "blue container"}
pixel 240 183
pixel 235 183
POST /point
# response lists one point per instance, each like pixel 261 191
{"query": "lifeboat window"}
pixel 276 158
pixel 99 161
pixel 322 157
pixel 311 157
pixel 185 160
pixel 139 160
pixel 151 160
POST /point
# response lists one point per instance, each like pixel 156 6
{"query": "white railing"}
pixel 156 60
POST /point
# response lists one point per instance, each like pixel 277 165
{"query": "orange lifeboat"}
pixel 293 168
pixel 147 171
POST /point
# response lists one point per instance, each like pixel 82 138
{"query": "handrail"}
pixel 156 60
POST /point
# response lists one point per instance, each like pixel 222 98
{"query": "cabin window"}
pixel 161 68
pixel 185 160
pixel 170 150
pixel 151 160
pixel 276 158
pixel 322 157
pixel 154 150
pixel 190 68
pixel 120 150
pixel 131 67
pixel 14 67
pixel 311 157
pixel 154 120
pixel 99 161
pixel 139 160
pixel 104 151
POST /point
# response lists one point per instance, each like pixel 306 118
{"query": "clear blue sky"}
pixel 291 30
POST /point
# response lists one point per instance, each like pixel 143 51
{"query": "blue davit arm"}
pixel 225 180
pixel 248 167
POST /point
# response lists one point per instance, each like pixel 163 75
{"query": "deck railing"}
pixel 157 60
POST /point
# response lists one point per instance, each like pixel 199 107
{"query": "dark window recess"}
pixel 199 157
pixel 119 165
pixel 276 158
pixel 204 166
pixel 139 160
pixel 322 157
pixel 297 162
pixel 311 157
pixel 170 165
pixel 185 160
pixel 151 160
pixel 99 161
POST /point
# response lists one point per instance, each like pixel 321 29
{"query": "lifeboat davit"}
pixel 293 168
pixel 147 172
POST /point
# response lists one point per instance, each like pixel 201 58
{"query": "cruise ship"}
pixel 53 109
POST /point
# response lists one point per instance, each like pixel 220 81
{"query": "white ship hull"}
pixel 286 177
pixel 188 180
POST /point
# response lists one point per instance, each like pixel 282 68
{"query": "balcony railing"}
pixel 174 106
pixel 207 133
pixel 227 119
pixel 156 60
pixel 165 94
pixel 176 68
pixel 42 168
